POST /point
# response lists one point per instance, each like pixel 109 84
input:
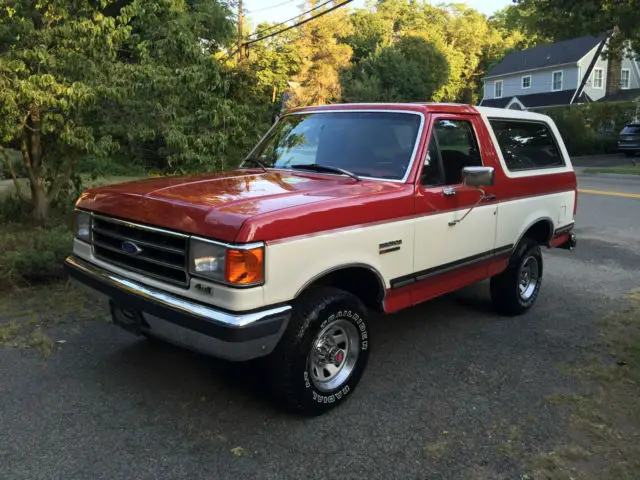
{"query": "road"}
pixel 452 391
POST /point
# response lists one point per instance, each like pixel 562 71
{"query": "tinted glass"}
pixel 458 148
pixel 631 130
pixel 430 175
pixel 370 144
pixel 526 145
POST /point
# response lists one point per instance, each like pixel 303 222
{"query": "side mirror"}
pixel 478 176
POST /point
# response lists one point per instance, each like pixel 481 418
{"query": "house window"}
pixel 625 78
pixel 598 78
pixel 526 81
pixel 497 89
pixel 556 81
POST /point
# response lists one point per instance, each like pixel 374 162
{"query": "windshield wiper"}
pixel 325 168
pixel 258 162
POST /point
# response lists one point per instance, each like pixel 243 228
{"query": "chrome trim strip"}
pixel 350 110
pixel 153 261
pixel 229 319
pixel 145 273
pixel 231 246
pixel 140 226
pixel 164 248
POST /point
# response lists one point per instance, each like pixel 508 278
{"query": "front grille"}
pixel 157 253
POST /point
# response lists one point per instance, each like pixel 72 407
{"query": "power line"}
pixel 306 20
pixel 272 6
pixel 292 18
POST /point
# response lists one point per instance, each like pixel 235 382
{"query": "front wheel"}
pixel 515 290
pixel 322 354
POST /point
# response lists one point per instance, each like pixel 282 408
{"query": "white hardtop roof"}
pixel 512 114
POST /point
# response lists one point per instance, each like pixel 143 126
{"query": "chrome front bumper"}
pixel 234 336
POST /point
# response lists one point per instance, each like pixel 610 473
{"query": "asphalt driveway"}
pixel 452 390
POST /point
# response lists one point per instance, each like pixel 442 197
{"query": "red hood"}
pixel 220 205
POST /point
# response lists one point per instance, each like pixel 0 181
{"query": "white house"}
pixel 561 73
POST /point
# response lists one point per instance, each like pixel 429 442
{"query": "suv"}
pixel 629 139
pixel 338 212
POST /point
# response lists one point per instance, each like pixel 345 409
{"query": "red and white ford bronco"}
pixel 339 211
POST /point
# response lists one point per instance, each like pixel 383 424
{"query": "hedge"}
pixel 592 128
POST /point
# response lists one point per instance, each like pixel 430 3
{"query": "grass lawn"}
pixel 604 422
pixel 630 170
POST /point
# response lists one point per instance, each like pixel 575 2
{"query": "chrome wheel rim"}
pixel 529 278
pixel 334 354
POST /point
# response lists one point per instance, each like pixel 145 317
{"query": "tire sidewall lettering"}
pixel 339 395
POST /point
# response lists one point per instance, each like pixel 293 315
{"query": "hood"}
pixel 217 205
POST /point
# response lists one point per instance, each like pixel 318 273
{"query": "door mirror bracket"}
pixel 476 177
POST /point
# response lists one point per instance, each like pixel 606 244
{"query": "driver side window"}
pixel 453 146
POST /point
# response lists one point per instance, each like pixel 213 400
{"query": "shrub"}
pixel 33 255
pixel 28 253
pixel 592 128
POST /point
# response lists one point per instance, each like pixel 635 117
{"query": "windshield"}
pixel 632 129
pixel 368 144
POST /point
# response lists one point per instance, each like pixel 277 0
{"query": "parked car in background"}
pixel 629 139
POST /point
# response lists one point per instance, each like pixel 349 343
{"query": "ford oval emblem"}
pixel 130 248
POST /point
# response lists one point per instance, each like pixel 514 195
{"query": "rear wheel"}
pixel 515 290
pixel 323 353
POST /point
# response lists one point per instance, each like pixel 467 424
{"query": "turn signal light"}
pixel 245 267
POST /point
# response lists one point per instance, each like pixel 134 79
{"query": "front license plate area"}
pixel 129 319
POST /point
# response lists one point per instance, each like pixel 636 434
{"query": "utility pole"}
pixel 240 32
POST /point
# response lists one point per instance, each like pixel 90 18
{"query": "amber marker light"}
pixel 245 267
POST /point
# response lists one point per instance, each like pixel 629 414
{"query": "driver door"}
pixel 448 252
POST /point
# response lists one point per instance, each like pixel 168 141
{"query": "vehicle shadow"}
pixel 161 369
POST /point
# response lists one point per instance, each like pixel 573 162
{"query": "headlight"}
pixel 82 225
pixel 241 267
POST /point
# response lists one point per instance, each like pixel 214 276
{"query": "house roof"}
pixel 535 100
pixel 545 56
pixel 622 96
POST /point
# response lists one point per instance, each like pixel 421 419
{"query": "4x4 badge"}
pixel 130 248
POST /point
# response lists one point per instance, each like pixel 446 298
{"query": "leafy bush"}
pixel 592 128
pixel 33 255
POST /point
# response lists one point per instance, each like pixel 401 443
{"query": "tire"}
pixel 319 317
pixel 509 297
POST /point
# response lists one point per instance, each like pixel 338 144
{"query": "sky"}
pixel 279 10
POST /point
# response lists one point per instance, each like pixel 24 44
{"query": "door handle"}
pixel 449 191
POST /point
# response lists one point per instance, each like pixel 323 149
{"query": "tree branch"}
pixel 61 180
pixel 13 175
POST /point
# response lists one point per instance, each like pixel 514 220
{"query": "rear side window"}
pixel 630 130
pixel 527 145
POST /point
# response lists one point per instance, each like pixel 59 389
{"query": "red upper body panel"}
pixel 253 205
pixel 247 205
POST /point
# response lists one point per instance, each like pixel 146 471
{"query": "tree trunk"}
pixel 31 148
pixel 614 62
pixel 614 65
pixel 40 204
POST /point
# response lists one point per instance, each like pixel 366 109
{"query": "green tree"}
pixel 52 68
pixel 323 56
pixel 412 70
pixel 186 109
pixel 273 62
